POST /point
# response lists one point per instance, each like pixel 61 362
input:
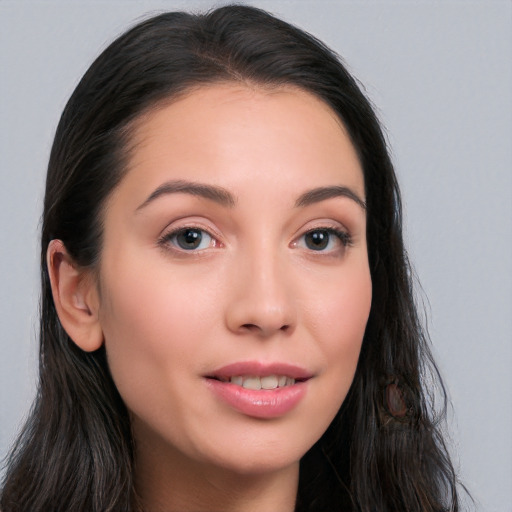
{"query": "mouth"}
pixel 258 375
pixel 260 390
pixel 255 382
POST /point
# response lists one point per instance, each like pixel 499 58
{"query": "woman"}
pixel 227 316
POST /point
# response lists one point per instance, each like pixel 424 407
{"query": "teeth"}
pixel 252 383
pixel 238 380
pixel 269 382
pixel 257 383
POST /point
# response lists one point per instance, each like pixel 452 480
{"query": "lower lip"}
pixel 271 403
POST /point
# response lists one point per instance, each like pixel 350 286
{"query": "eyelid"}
pixel 333 228
pixel 322 223
pixel 173 229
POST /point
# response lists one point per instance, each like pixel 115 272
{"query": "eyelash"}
pixel 168 239
pixel 343 236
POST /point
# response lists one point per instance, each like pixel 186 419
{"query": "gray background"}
pixel 440 74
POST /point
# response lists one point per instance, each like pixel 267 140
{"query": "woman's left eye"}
pixel 190 239
pixel 324 239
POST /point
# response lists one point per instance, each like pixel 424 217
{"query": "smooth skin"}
pixel 215 252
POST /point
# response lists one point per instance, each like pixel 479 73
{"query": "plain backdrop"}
pixel 440 75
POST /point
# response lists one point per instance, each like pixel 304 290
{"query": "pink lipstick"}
pixel 260 390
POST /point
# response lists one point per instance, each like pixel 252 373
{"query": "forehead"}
pixel 231 134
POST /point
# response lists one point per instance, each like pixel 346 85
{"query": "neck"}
pixel 167 481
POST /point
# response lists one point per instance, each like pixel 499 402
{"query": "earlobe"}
pixel 75 297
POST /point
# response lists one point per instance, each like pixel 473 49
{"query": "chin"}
pixel 258 464
pixel 260 451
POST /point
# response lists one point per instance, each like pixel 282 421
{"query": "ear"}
pixel 76 298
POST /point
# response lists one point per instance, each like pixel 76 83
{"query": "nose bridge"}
pixel 263 301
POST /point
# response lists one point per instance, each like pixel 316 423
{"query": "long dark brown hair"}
pixel 384 450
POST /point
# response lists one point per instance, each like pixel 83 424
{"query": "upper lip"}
pixel 261 369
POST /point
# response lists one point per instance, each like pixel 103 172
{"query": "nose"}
pixel 262 302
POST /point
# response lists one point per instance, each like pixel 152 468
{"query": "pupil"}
pixel 189 238
pixel 317 240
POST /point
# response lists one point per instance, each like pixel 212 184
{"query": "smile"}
pixel 260 390
pixel 254 382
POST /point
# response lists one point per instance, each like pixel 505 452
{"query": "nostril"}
pixel 254 328
pixel 250 327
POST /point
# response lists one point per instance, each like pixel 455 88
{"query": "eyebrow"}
pixel 212 192
pixel 225 198
pixel 322 193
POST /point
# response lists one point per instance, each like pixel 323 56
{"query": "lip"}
pixel 265 404
pixel 261 369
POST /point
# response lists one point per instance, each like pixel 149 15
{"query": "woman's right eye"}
pixel 189 239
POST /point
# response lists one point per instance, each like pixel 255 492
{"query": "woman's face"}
pixel 235 259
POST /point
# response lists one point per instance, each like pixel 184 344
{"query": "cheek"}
pixel 152 308
pixel 338 320
pixel 340 309
pixel 335 317
pixel 152 332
